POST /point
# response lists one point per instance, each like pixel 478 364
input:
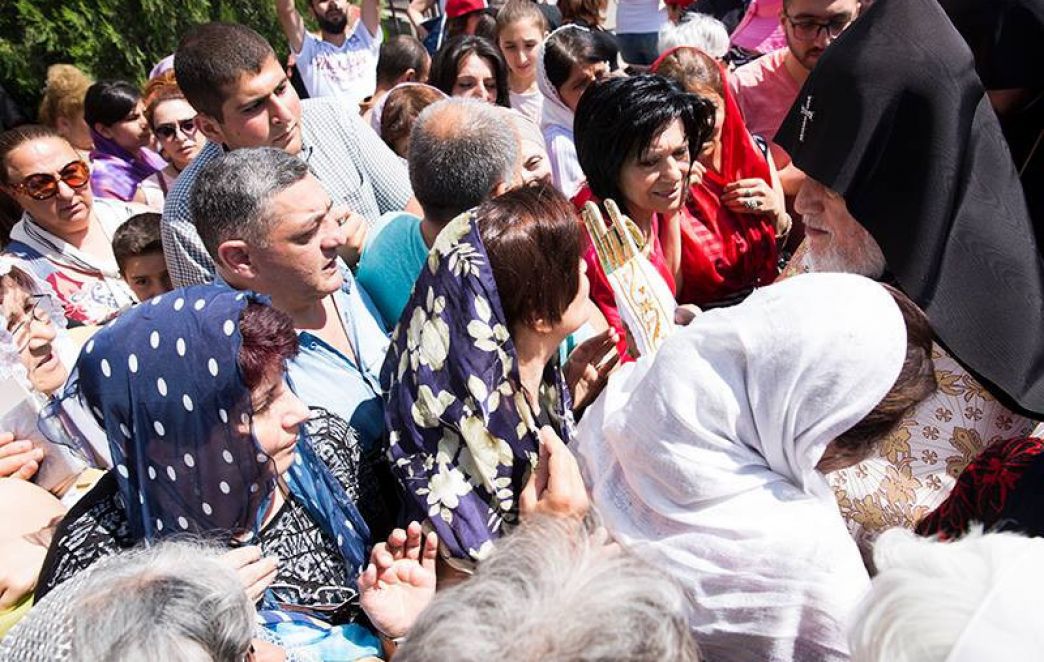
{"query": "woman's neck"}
pixel 534 350
pixel 712 159
pixel 520 85
pixel 643 218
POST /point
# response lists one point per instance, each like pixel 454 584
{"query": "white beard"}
pixel 858 255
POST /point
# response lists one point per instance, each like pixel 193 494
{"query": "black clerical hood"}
pixel 895 119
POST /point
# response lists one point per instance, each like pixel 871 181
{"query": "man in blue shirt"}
pixel 270 227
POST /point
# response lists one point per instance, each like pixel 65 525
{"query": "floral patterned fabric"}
pixel 917 465
pixel 463 437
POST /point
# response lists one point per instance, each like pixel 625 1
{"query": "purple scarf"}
pixel 116 173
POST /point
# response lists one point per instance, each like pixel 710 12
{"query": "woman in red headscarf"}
pixel 725 242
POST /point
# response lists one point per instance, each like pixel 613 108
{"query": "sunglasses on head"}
pixel 169 130
pixel 41 186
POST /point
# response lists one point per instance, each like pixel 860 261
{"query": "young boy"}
pixel 139 252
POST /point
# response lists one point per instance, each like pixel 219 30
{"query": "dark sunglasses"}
pixel 41 186
pixel 168 131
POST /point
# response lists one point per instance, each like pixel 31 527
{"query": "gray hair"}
pixel 552 591
pixel 699 30
pixel 460 150
pixel 927 593
pixel 173 601
pixel 230 196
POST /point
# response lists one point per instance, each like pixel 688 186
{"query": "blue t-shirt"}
pixel 390 264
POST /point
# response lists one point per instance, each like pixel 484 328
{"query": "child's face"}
pixel 147 275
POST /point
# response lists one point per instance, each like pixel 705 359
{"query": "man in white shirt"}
pixel 341 64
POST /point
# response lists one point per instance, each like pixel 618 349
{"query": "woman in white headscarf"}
pixel 569 60
pixel 708 457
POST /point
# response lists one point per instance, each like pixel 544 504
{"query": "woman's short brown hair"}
pixel 916 381
pixel 589 11
pixel 401 109
pixel 532 238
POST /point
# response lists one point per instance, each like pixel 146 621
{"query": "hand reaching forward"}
pixel 400 580
pixel 556 487
pixel 255 571
pixel 588 367
pixel 19 458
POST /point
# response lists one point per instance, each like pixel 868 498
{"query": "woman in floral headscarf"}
pixel 470 377
pixel 204 437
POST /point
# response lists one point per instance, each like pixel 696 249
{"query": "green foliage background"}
pixel 119 39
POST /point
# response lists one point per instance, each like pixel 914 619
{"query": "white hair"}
pixel 700 30
pixel 928 595
pixel 552 591
pixel 173 601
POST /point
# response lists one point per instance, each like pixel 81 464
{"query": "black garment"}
pixel 894 118
pixel 1007 39
pixel 729 12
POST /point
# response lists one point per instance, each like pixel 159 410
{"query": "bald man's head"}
pixel 461 151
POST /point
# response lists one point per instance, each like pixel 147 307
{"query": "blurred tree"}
pixel 119 39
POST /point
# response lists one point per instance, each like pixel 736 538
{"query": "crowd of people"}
pixel 714 336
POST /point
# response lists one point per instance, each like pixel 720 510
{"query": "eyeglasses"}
pixel 168 131
pixel 44 185
pixel 808 30
pixel 35 314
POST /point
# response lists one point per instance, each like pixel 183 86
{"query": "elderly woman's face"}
pixel 68 212
pixel 32 332
pixel 535 165
pixel 654 182
pixel 278 415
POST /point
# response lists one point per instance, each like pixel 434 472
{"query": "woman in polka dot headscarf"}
pixel 206 440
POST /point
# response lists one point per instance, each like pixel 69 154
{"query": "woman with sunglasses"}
pixel 65 234
pixel 173 122
pixel 121 158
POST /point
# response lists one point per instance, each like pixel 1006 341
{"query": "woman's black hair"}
pixel 109 101
pixel 446 64
pixel 618 118
pixel 567 48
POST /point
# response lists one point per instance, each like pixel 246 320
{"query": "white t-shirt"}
pixel 639 16
pixel 530 104
pixel 349 71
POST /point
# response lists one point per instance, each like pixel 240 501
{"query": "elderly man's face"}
pixel 837 242
pixel 299 261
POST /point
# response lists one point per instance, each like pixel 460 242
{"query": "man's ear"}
pixel 235 260
pixel 408 76
pixel 211 128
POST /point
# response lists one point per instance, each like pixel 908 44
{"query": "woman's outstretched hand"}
pixel 400 580
pixel 587 370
